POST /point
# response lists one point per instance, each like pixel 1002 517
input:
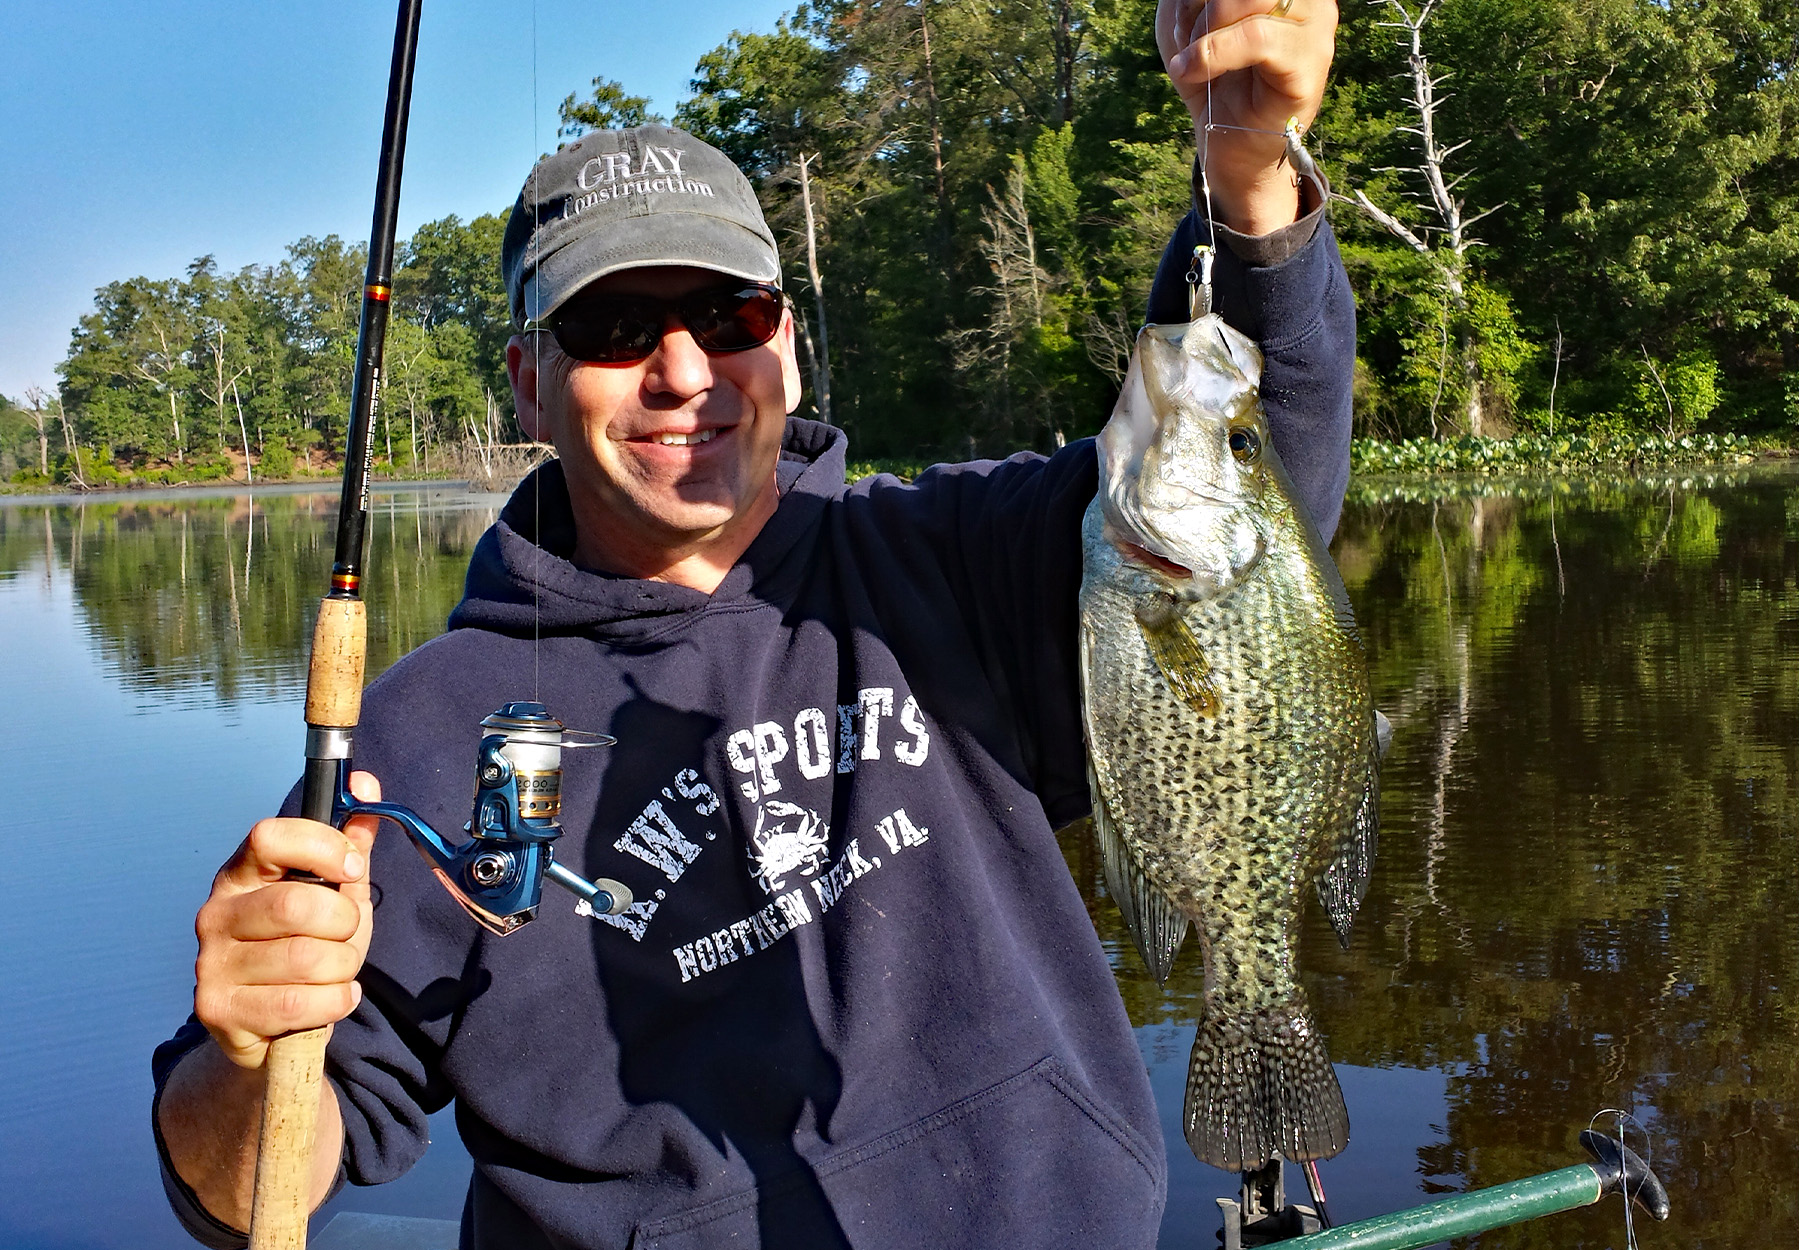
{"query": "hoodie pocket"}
pixel 1031 1161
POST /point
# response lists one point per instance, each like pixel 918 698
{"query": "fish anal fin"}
pixel 1260 1086
pixel 1346 879
pixel 1178 654
pixel 1156 925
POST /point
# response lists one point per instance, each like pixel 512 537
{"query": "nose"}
pixel 678 366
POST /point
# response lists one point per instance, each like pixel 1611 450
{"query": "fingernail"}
pixel 353 865
pixel 355 995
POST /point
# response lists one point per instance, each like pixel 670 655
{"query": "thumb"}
pixel 361 832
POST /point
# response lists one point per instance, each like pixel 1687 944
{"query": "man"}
pixel 857 1001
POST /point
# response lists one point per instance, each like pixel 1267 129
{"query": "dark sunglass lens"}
pixel 609 331
pixel 733 321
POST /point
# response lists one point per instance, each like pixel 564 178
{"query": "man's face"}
pixel 670 457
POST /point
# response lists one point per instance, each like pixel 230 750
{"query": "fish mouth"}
pixel 1143 555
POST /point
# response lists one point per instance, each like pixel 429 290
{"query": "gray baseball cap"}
pixel 624 199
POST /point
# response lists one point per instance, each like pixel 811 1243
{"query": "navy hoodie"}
pixel 858 1000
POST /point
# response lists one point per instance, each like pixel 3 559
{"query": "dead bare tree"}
pixel 223 386
pixel 1110 336
pixel 62 415
pixel 39 412
pixel 243 433
pixel 984 353
pixel 1446 242
pixel 1555 373
pixel 820 357
pixel 1656 376
pixel 158 368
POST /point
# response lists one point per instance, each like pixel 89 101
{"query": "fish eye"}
pixel 1245 445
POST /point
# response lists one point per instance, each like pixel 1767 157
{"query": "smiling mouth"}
pixel 682 440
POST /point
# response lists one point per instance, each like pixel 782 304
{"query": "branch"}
pixel 1486 212
pixel 1392 224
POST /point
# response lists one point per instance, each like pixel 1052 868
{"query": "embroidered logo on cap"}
pixel 610 176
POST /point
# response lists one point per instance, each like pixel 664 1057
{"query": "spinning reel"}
pixel 498 873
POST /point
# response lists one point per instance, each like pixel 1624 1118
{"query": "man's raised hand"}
pixel 1265 61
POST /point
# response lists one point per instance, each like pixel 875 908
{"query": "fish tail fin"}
pixel 1261 1086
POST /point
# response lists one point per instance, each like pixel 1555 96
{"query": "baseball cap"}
pixel 624 199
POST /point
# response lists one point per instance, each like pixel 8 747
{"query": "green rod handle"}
pixel 1463 1214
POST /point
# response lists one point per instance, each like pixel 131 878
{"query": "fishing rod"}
pixel 497 874
pixel 1261 1216
pixel 295 1064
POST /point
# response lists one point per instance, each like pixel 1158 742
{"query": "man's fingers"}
pixel 1277 46
pixel 361 833
pixel 280 846
pixel 261 1012
pixel 283 909
pixel 293 961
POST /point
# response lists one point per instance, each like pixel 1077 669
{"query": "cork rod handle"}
pixel 295 1068
pixel 294 1071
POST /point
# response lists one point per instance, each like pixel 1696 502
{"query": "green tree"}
pixel 607 108
pixel 1641 152
pixel 448 273
pixel 128 369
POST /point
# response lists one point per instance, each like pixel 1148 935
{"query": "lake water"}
pixel 1585 897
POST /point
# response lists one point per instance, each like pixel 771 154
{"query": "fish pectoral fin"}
pixel 1346 879
pixel 1156 925
pixel 1178 654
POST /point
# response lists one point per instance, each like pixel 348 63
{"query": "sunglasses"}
pixel 624 329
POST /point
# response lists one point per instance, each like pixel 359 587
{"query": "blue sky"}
pixel 136 136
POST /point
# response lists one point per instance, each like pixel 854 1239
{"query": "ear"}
pixel 522 374
pixel 790 364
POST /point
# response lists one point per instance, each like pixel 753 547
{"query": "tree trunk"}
pixel 937 144
pixel 822 361
pixel 1065 63
pixel 74 452
pixel 1471 376
pixel 244 434
pixel 40 417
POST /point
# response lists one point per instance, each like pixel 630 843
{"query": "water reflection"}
pixel 1586 893
pixel 213 597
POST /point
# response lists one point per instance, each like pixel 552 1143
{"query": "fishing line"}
pixel 1200 266
pixel 1206 137
pixel 537 376
pixel 1249 130
pixel 1625 1192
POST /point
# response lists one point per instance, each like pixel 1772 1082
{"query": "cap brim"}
pixel 664 238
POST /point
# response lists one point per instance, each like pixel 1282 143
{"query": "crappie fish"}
pixel 1231 736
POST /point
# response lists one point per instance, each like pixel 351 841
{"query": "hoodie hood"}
pixel 521 580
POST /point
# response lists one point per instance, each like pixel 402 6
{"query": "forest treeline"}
pixel 1559 216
